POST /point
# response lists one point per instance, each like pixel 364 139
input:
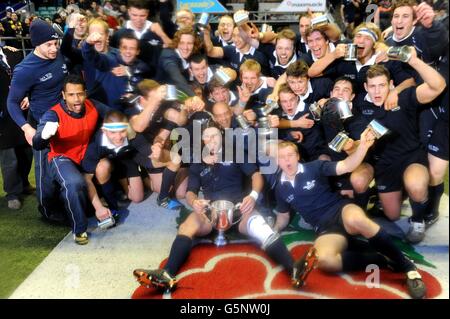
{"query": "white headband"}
pixel 369 33
pixel 115 127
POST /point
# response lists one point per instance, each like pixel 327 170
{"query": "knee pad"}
pixel 258 228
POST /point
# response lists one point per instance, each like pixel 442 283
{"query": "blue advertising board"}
pixel 199 6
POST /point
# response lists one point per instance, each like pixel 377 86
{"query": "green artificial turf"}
pixel 25 240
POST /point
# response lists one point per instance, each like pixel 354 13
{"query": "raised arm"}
pixel 141 121
pixel 356 158
pixel 317 68
pixel 433 84
pixel 157 29
pixel 211 50
pixel 98 60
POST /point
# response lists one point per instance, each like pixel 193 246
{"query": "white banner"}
pixel 302 6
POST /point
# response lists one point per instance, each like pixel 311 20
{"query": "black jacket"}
pixel 171 71
pixel 10 134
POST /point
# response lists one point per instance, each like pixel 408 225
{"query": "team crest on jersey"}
pixel 351 76
pixel 310 185
pixel 205 172
pixel 367 112
pixel 46 77
pixel 153 42
pixel 290 198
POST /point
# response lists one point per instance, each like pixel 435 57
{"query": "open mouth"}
pixel 317 52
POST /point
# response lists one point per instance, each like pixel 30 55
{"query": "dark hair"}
pixel 198 58
pixel 138 4
pixel 377 70
pixel 319 29
pixel 347 79
pixel 214 84
pixel 129 36
pixel 298 69
pixel 73 79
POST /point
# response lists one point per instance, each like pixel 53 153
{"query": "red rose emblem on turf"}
pixel 245 271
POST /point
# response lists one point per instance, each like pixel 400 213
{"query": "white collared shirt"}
pixel 370 62
pixel 224 43
pixel 284 178
pixel 293 59
pixel 301 103
pixel 306 45
pixel 367 98
pixel 262 86
pixel 233 97
pixel 106 142
pixel 251 51
pixel 208 77
pixel 397 40
pixel 138 33
pixel 185 63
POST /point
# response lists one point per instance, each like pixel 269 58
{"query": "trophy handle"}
pixel 237 207
pixel 208 213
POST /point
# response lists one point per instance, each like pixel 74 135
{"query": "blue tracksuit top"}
pixel 39 79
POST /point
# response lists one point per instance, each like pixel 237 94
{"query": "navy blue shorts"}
pixel 334 224
pixel 438 143
pixel 389 178
pixel 341 182
pixel 125 168
pixel 143 147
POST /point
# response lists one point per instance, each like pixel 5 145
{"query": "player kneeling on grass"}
pixel 304 187
pixel 220 180
pixel 67 129
pixel 109 155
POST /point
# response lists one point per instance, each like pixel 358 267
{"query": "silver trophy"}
pixel 344 110
pixel 221 217
pixel 320 20
pixel 350 52
pixel 241 17
pixel 338 142
pixel 378 129
pixel 222 77
pixel 265 27
pixel 203 21
pixel 316 111
pixel 171 93
pixel 263 120
pixel 402 53
pixel 340 106
pixel 242 121
pixel 106 223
